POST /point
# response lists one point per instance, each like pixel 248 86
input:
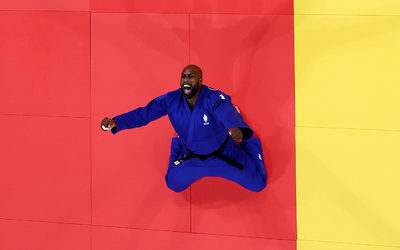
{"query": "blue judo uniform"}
pixel 204 147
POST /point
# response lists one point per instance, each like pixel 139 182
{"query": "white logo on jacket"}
pixel 222 96
pixel 205 118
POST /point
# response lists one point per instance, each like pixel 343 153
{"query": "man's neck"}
pixel 192 101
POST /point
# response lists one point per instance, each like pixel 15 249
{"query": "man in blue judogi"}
pixel 213 139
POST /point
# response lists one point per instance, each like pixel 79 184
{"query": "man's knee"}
pixel 175 183
pixel 260 186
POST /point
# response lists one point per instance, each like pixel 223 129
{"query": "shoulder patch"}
pixel 222 96
pixel 212 89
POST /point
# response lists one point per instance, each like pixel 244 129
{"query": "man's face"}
pixel 190 82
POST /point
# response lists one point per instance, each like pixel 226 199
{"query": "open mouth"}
pixel 187 89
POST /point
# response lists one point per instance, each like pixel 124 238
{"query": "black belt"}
pixel 215 153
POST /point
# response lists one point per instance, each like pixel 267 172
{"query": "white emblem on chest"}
pixel 222 96
pixel 205 118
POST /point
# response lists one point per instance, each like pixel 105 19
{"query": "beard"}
pixel 193 91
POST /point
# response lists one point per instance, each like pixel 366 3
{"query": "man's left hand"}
pixel 236 134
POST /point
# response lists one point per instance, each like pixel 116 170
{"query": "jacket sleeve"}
pixel 139 117
pixel 230 117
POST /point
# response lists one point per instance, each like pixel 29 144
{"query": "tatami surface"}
pixel 317 80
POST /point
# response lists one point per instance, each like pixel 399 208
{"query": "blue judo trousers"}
pixel 204 147
pixel 248 154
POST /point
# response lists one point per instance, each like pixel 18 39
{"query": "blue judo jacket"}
pixel 202 131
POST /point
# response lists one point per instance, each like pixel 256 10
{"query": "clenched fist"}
pixel 236 134
pixel 108 123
